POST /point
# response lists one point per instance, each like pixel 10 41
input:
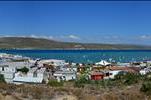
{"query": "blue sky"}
pixel 92 22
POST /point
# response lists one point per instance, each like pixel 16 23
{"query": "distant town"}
pixel 18 69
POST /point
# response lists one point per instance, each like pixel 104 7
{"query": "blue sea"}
pixel 85 56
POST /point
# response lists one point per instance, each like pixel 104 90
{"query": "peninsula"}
pixel 40 43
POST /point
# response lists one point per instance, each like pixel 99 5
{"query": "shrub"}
pixel 120 75
pixel 2 79
pixel 147 76
pixel 146 87
pixel 81 81
pixel 78 84
pixel 24 69
pixel 55 83
pixel 104 83
pixel 128 78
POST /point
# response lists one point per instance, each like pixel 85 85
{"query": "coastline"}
pixel 35 49
pixel 84 56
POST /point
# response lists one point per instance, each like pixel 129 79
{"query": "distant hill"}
pixel 37 43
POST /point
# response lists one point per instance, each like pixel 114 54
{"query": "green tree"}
pixel 24 69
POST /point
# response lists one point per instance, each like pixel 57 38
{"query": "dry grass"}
pixel 37 92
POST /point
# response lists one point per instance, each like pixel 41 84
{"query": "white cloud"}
pixel 145 37
pixel 30 36
pixel 33 36
pixel 69 37
pixel 73 37
pixel 12 36
pixel 41 36
pixel 50 37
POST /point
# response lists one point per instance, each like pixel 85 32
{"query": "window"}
pixel 2 68
pixel 64 77
pixel 111 73
pixel 107 74
pixel 60 78
pixel 35 74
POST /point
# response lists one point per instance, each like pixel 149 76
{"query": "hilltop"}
pixel 40 43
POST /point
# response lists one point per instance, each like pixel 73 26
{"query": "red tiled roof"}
pixel 97 73
pixel 129 69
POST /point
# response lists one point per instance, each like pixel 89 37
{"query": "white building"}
pixel 65 75
pixel 53 62
pixel 33 76
pixel 103 63
pixel 8 72
pixel 13 57
pixel 8 69
pixel 69 68
pixel 113 73
pixel 145 71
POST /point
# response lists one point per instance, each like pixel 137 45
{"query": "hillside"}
pixel 37 43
